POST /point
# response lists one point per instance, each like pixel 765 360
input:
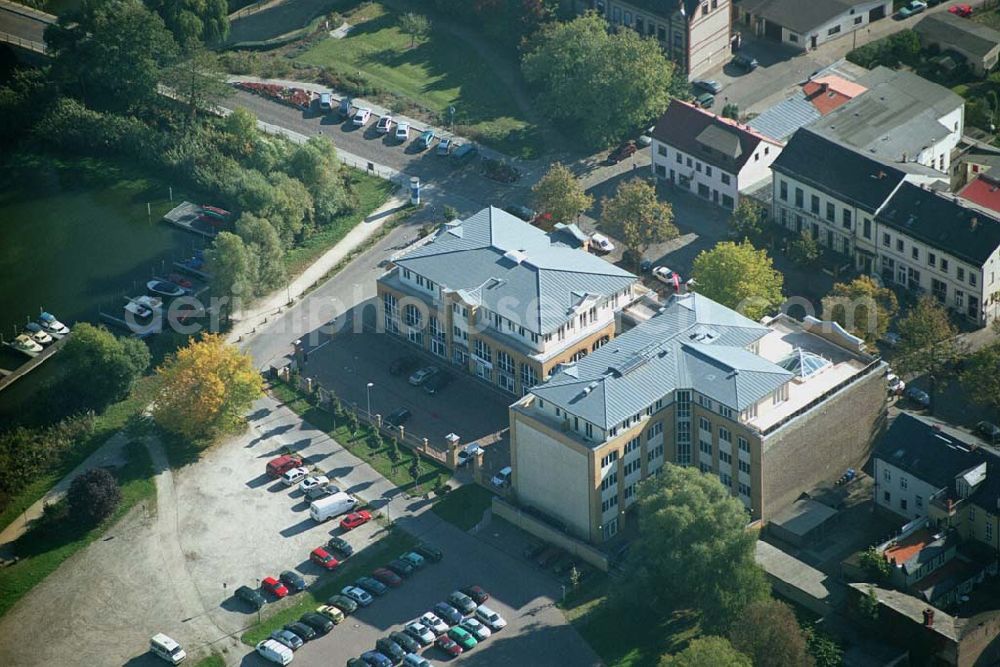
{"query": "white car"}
pixel 361 117
pixel 423 375
pixel 358 595
pixel 474 627
pixel 602 242
pixel 665 275
pixel 384 124
pixel 294 475
pixel 492 619
pixel 501 480
pixel 313 482
pixel 434 623
pixel 420 632
pixel 895 384
pixel 402 132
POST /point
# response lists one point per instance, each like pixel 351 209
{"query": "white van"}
pixel 275 652
pixel 327 508
pixel 326 101
pixel 501 480
pixel 167 648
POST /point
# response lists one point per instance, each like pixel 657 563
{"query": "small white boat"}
pixel 25 345
pixel 138 310
pixel 36 333
pixel 151 302
pixel 164 288
pixel 52 326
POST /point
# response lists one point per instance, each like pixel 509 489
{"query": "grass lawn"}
pixel 464 506
pixel 361 563
pixel 988 17
pixel 639 643
pixel 360 445
pixel 437 73
pixel 372 192
pixel 46 546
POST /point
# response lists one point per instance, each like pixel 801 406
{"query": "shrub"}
pixel 93 496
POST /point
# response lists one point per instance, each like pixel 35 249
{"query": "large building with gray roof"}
pixel 772 408
pixel 502 299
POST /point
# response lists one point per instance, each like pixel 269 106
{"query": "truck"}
pixel 332 506
pixel 279 466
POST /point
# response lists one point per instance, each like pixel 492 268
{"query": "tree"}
pixel 315 164
pixel 861 307
pixel 927 342
pixel 875 564
pixel 265 254
pixel 824 649
pixel 559 194
pixel 747 222
pixel 868 605
pixel 769 633
pixel 193 22
pixel 707 652
pixel 739 276
pixel 731 110
pixel 205 388
pixel 691 531
pixel 803 249
pixel 93 496
pixel 110 53
pixel 198 81
pixel 100 367
pixel 981 376
pixel 240 127
pixel 414 25
pixel 637 217
pixel 231 267
pixel 604 85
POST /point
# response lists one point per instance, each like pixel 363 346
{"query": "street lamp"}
pixel 368 394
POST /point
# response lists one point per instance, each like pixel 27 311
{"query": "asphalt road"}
pixel 21 24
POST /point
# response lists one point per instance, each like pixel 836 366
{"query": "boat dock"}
pixel 10 377
pixel 186 215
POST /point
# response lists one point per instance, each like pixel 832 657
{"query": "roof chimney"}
pixel 928 618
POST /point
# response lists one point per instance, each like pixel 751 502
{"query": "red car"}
pixel 387 577
pixel 965 11
pixel 478 595
pixel 274 587
pixel 355 519
pixel 448 645
pixel 322 557
pixel 623 152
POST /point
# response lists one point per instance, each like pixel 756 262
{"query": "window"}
pixel 902 503
pixel 798 197
pixel 899 245
pixel 609 458
pixel 846 218
pixel 960 273
pixel 609 503
pixel 725 178
pixel 629 492
pixel 858 20
pixel 886 475
pixel 886 241
pixel 412 315
pixel 743 444
pixel 833 31
pixel 505 362
pixel 902 482
pixel 725 435
pixel 783 191
pixel 679 159
pixel 683 404
pixel 632 445
pixel 727 201
pixel 704 467
pixel 886 497
pixel 483 351
pixel 689 162
pixel 529 377
pixel 662 150
pixel 705 447
pixel 915 252
pixel 697 167
pixel 831 212
pixel 633 466
pixel 744 489
pixel 867 229
pixel 654 452
pixel 944 265
pixel 610 480
pixel 972 278
pixel 588 429
pixel 726 412
pixel 814 204
pixel 725 457
pixel 745 466
pixel 655 430
pixel 708 170
pixel 705 424
pixel 705 401
pixel 918 501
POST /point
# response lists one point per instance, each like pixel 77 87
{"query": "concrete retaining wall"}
pixel 548 534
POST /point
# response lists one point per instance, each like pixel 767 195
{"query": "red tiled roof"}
pixel 908 547
pixel 826 93
pixel 983 191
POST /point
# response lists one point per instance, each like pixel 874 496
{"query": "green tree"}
pixel 803 249
pixel 110 53
pixel 981 376
pixel 559 194
pixel 605 85
pixel 875 564
pixel 265 255
pixel 739 276
pixel 691 531
pixel 231 266
pixel 927 342
pixel 198 81
pixel 768 632
pixel 868 605
pixel 731 110
pixel 315 164
pixel 824 649
pixel 415 25
pixel 100 367
pixel 93 496
pixel 194 21
pixel 862 307
pixel 240 127
pixel 748 222
pixel 707 651
pixel 637 217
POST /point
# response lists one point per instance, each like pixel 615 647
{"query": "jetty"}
pixel 187 216
pixel 9 377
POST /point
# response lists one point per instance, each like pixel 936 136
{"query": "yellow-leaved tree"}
pixel 206 388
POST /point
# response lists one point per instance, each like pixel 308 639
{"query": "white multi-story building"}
pixel 715 158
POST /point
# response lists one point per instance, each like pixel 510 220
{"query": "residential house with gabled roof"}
pixel 806 25
pixel 977 43
pixel 504 300
pixel 772 408
pixel 715 158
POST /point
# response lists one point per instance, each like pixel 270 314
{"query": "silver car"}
pixel 288 638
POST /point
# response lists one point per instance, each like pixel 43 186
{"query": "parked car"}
pixel 251 596
pixel 449 646
pixel 312 482
pixel 402 132
pixel 331 612
pixel 408 643
pixel 911 8
pixel 355 519
pixel 356 662
pixel 302 630
pixel 467 453
pixel 273 651
pixel 477 594
pixel 462 637
pixel 522 212
pixel 437 382
pixel 390 649
pixel 293 581
pixel 361 117
pixel 400 567
pixel 343 603
pixel 918 396
pixel 414 559
pixel 745 62
pixel 384 124
pixel 461 602
pixel 293 476
pixel 711 85
pixel 705 100
pixel 895 385
pixel 463 153
pixel 398 417
pixel 445 611
pixel 434 623
pixel 321 623
pixel 475 628
pixel 501 480
pixel 341 546
pixel 623 152
pixel 322 557
pixel 444 146
pixel 274 587
pixel 279 466
pixel 425 140
pixel 317 492
pixel 373 586
pixel 963 10
pixel 989 430
pixel 429 552
pixel 325 102
pixel 421 376
pixel 492 619
pixel 665 275
pixel 420 632
pixel 601 243
pixel 289 639
pixel 388 577
pixel 376 659
pixel 345 106
pixel 359 595
pixel 414 660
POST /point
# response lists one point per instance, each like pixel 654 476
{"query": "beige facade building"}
pixel 772 409
pixel 503 300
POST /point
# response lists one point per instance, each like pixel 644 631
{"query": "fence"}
pixel 30 45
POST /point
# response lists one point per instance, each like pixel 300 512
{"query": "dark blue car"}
pixel 375 659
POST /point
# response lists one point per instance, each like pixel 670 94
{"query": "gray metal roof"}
pixel 501 262
pixel 781 120
pixel 950 31
pixel 692 343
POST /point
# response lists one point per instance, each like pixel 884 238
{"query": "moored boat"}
pixel 34 331
pixel 165 289
pixel 25 345
pixel 52 326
